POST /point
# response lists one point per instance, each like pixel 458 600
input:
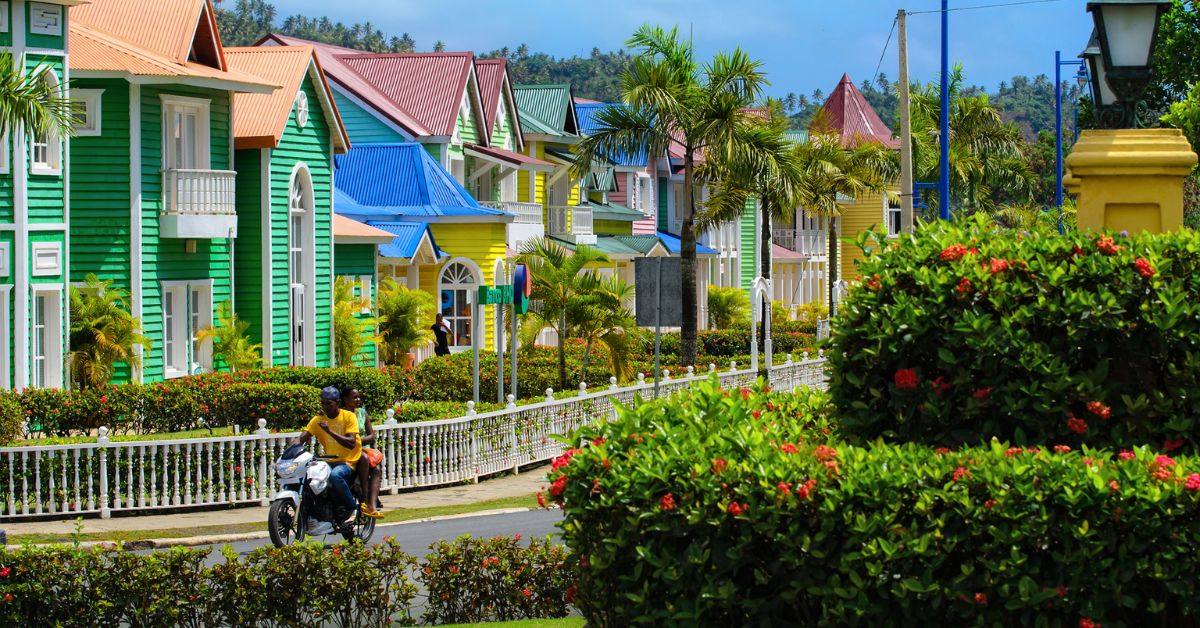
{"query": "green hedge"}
pixel 732 508
pixel 965 332
pixel 284 406
pixel 731 343
pixel 11 418
pixel 373 384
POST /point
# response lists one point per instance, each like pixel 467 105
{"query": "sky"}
pixel 804 44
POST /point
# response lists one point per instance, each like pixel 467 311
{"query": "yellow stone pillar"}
pixel 1131 179
pixel 1071 184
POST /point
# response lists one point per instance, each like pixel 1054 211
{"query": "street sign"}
pixel 523 287
pixel 646 278
pixel 499 295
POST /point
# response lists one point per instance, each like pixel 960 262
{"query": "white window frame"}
pixel 182 357
pixel 200 316
pixel 302 207
pixel 301 109
pixel 645 192
pixel 4 16
pixel 53 28
pixel 4 270
pixel 5 151
pixel 52 164
pixel 892 217
pixel 89 100
pixel 52 330
pixel 5 338
pixel 468 290
pixel 200 144
pixel 364 286
pixel 46 259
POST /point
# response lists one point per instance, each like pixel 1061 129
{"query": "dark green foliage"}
pixel 1012 337
pixel 11 417
pixel 730 508
pixel 284 406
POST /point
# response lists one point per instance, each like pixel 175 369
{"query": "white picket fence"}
pixel 122 476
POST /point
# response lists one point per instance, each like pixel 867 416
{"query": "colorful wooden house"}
pixel 34 209
pixel 284 147
pixel 355 260
pixel 152 195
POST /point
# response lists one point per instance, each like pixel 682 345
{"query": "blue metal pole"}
pixel 944 181
pixel 1058 147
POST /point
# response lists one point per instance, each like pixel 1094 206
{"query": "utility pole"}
pixel 944 179
pixel 906 167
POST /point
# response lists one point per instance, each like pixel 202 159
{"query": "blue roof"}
pixel 586 114
pixel 673 245
pixel 408 239
pixel 399 180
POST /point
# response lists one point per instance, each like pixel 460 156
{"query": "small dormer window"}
pixel 302 109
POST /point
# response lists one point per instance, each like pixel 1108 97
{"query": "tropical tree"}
pixel 675 104
pixel 600 316
pixel 230 340
pixel 559 285
pixel 405 319
pixel 987 164
pixel 103 333
pixel 351 329
pixel 30 103
pixel 727 307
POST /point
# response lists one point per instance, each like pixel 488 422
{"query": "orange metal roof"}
pixel 429 86
pixel 164 27
pixel 260 119
pixel 344 227
pixel 331 60
pixel 92 50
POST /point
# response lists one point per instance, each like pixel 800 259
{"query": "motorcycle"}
pixel 305 507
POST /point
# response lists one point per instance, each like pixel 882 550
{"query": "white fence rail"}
pixel 203 192
pixel 124 476
pixel 526 213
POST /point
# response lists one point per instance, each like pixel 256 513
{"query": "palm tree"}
pixel 230 342
pixel 405 318
pixel 559 283
pixel 986 161
pixel 31 104
pixel 351 330
pixel 674 103
pixel 103 333
pixel 600 316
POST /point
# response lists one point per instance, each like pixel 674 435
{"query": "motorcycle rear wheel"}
pixel 283 523
pixel 362 529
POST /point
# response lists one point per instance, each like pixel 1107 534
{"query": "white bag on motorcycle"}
pixel 318 477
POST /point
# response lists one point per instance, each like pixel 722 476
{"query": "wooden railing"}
pixel 570 220
pixel 199 192
pixel 526 213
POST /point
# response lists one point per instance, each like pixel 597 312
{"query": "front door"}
pixel 298 325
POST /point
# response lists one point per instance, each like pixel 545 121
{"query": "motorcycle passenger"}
pixel 337 431
pixel 369 475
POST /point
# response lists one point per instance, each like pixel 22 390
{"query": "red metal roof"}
pixel 429 86
pixel 490 74
pixel 511 157
pixel 848 113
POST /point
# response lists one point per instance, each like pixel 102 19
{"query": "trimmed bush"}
pixel 375 386
pixel 284 406
pixel 965 332
pixel 11 418
pixel 472 580
pixel 731 508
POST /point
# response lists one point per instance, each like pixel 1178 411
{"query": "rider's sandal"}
pixel 374 514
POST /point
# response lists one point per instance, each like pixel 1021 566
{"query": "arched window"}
pixel 300 267
pixel 45 149
pixel 458 280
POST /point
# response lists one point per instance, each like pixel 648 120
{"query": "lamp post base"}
pixel 1131 179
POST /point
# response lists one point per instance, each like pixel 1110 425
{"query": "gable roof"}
pixel 586 114
pixel 259 120
pixel 429 86
pixel 348 231
pixel 847 112
pixel 375 181
pixel 345 77
pixel 173 29
pixel 549 107
pixel 94 51
pixel 411 240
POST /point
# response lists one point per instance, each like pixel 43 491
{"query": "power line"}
pixel 884 51
pixel 987 6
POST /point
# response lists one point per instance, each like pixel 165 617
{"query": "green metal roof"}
pixel 613 211
pixel 643 244
pixel 548 104
pixel 604 181
pixel 609 245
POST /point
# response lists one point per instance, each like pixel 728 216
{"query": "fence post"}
pixel 666 375
pixel 474 446
pixel 641 380
pixel 691 372
pixel 549 395
pixel 582 388
pixel 712 368
pixel 512 450
pixel 263 434
pixel 102 442
pixel 733 366
pixel 806 356
pixel 612 383
pixel 471 408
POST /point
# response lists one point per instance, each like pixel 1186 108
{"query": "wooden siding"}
pixel 482 243
pixel 248 253
pixel 664 210
pixel 7 204
pixel 361 125
pixel 45 192
pixel 167 259
pixel 354 261
pixel 612 227
pixel 100 230
pixel 863 215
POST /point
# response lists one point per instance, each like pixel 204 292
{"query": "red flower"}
pixel 825 453
pixel 788 448
pixel 960 473
pixel 103 398
pixel 570 594
pixel 1193 482
pixel 559 486
pixel 756 413
pixel 5 572
pixel 1164 461
pixel 1013 451
pixel 596 442
pixel 337 551
pixel 1106 245
pixel 745 394
pixel 1114 486
pixel 989 504
pixel 1172 445
pixel 981 599
pixel 1061 591
pixel 606 464
pixel 562 460
pixel 964 286
pixel 527 593
pixel 1087 622
pixel 668 502
pixel 8 597
pixel 804 491
pixel 737 509
pixel 541 500
pixel 237 469
pixel 1099 409
pixel 873 283
pixel 1061 449
pixel 718 465
pixel 1079 426
pixel 906 379
pixel 941 451
pixel 1144 268
pixel 941 386
pixel 1126 455
pixel 997 266
pixel 784 488
pixel 953 253
pixel 982 394
pixel 249 481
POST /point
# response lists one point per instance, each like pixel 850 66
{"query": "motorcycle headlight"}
pixel 287 468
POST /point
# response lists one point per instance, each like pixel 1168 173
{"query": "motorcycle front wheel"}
pixel 283 523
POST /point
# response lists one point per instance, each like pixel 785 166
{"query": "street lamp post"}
pixel 1080 74
pixel 1119 57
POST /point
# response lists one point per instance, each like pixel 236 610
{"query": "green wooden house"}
pixel 285 142
pixel 152 192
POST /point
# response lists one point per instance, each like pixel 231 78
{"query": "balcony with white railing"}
pixel 572 222
pixel 810 242
pixel 526 213
pixel 198 204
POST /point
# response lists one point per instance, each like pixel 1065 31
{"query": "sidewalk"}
pixel 501 487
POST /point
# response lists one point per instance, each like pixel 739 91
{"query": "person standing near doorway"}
pixel 441 332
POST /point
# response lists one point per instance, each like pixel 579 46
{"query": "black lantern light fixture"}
pixel 1119 57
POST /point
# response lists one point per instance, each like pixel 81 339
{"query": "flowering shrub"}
pixel 974 333
pixel 284 406
pixel 737 509
pixel 474 580
pixel 11 417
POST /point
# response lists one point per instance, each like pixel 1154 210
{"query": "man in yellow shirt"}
pixel 337 431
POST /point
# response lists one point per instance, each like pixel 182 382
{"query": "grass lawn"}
pixel 566 622
pixel 393 516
